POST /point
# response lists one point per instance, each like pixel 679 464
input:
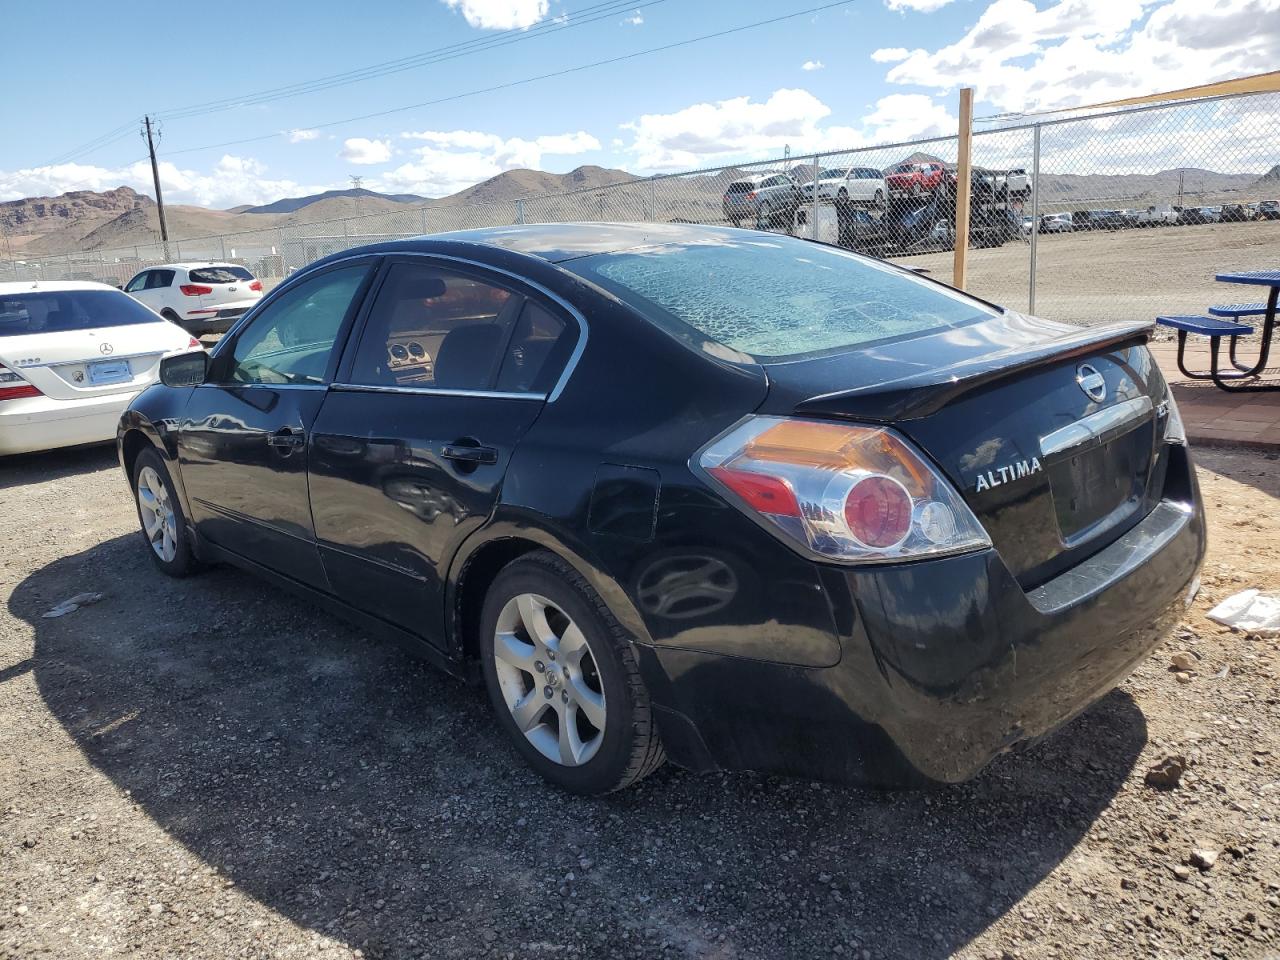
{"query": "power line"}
pixel 583 17
pixel 516 83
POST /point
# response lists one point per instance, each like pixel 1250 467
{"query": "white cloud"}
pixel 811 65
pixel 500 14
pixel 298 136
pixel 365 151
pixel 890 54
pixel 1076 52
pixel 233 180
pixel 635 20
pixel 920 6
pixel 728 130
pixel 453 159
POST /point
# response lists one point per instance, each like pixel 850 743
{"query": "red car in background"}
pixel 915 178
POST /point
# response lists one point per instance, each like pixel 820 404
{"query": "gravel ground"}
pixel 213 769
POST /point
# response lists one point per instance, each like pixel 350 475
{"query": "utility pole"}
pixel 155 175
pixel 1181 181
pixel 964 186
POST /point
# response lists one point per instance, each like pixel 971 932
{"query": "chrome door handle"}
pixel 286 438
pixel 463 453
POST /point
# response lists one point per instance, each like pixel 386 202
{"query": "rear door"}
pixel 242 439
pixel 409 451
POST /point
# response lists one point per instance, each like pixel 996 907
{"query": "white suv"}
pixel 859 184
pixel 202 298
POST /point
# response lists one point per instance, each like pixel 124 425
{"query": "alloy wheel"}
pixel 159 521
pixel 549 679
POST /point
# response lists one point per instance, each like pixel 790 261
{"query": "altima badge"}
pixel 1002 475
pixel 1091 382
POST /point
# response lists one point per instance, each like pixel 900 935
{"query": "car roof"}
pixel 36 286
pixel 558 242
pixel 189 265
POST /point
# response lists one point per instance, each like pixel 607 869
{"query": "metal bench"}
pixel 1239 310
pixel 1215 329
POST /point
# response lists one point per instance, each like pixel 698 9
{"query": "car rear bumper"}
pixel 40 423
pixel 945 664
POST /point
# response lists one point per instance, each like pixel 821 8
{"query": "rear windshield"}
pixel 776 298
pixel 55 311
pixel 220 274
pixel 741 186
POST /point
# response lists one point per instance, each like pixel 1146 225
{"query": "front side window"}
pixel 435 328
pixel 138 283
pixel 775 297
pixel 292 339
pixel 159 278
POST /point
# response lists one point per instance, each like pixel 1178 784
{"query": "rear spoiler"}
pixel 923 393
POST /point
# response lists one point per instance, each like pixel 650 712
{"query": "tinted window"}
pixel 159 278
pixel 531 359
pixel 776 297
pixel 227 274
pixel 740 186
pixel 293 337
pixel 57 311
pixel 138 283
pixel 434 328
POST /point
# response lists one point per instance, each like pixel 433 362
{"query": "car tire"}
pixel 595 686
pixel 766 214
pixel 163 525
pixel 915 190
pixel 878 199
pixel 842 195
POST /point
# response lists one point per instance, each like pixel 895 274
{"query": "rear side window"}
pixel 58 311
pixel 535 354
pixel 776 298
pixel 434 328
pixel 228 274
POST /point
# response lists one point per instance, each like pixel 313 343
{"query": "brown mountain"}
pixel 67 217
pixel 518 184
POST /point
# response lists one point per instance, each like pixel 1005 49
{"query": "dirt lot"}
pixel 1124 275
pixel 212 769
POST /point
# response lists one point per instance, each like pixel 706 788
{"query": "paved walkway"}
pixel 1215 416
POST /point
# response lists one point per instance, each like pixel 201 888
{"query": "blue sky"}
pixel 865 72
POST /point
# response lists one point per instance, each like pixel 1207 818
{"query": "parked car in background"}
pixel 1269 209
pixel 921 528
pixel 1159 215
pixel 1199 215
pixel 202 298
pixel 858 184
pixel 915 179
pixel 765 198
pixel 72 356
pixel 1235 213
pixel 1057 223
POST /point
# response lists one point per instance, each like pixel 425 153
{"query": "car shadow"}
pixel 359 793
pixel 31 468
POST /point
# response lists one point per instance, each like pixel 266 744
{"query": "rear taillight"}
pixel 256 286
pixel 194 289
pixel 751 195
pixel 843 492
pixel 13 387
pixel 193 342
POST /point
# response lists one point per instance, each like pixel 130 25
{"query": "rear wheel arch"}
pixel 479 562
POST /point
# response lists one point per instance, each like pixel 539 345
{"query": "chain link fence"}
pixel 1114 216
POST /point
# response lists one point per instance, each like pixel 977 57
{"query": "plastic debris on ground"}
pixel 1250 610
pixel 72 604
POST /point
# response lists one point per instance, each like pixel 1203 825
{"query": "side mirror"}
pixel 184 369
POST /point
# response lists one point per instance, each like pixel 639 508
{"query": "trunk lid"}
pixel 1050 432
pixel 74 364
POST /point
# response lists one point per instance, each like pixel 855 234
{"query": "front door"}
pixel 409 451
pixel 243 436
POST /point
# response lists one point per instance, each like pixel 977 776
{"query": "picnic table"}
pixel 1225 320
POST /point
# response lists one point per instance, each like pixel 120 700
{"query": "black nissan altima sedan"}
pixel 725 497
